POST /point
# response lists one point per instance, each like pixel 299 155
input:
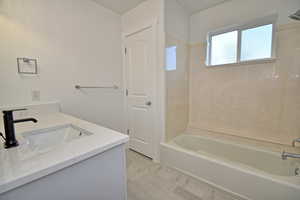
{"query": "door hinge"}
pixel 126 92
pixel 128 131
pixel 125 51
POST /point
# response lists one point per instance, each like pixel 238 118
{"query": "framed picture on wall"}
pixel 27 66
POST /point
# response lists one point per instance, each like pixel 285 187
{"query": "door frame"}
pixel 158 130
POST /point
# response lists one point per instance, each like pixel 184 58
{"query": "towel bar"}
pixel 96 87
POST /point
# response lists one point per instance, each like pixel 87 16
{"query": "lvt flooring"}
pixel 151 181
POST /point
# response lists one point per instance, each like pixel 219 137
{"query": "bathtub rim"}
pixel 252 142
pixel 219 187
pixel 290 181
pixel 227 141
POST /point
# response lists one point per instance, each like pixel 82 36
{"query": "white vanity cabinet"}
pixel 101 177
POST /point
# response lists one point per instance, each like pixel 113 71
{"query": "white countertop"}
pixel 19 166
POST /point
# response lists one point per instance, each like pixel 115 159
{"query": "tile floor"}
pixel 151 181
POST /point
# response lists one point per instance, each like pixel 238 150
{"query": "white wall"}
pixel 75 42
pixel 177 20
pixel 145 14
pixel 238 12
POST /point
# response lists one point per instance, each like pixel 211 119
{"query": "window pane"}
pixel 224 48
pixel 171 58
pixel 257 43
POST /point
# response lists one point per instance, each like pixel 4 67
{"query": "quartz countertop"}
pixel 19 165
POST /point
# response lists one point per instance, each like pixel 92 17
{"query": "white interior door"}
pixel 140 81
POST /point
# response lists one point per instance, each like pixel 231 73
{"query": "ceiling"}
pixel 192 6
pixel 119 6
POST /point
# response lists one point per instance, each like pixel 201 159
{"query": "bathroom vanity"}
pixel 63 158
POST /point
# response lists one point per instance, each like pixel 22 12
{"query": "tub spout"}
pixel 295 141
pixel 286 155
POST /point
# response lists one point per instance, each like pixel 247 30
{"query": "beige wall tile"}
pixel 258 101
pixel 177 90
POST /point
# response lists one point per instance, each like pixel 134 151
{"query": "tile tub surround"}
pixel 259 101
pixel 152 181
pixel 177 90
pixel 18 166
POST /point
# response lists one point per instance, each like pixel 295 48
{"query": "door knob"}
pixel 148 103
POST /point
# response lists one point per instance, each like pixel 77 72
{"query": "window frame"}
pixel 269 20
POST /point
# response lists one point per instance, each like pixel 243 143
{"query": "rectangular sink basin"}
pixel 46 139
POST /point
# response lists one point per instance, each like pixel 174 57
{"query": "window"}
pixel 224 48
pixel 171 58
pixel 257 43
pixel 241 44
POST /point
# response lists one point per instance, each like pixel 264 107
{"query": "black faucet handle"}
pixel 14 110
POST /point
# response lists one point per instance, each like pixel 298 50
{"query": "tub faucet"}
pixel 295 141
pixel 9 128
pixel 286 155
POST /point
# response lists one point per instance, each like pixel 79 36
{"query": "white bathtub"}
pixel 243 170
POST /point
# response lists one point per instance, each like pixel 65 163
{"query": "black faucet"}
pixel 10 137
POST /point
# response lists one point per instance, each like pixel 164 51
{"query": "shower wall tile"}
pixel 177 90
pixel 259 101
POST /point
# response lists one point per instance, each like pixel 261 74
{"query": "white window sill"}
pixel 249 62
